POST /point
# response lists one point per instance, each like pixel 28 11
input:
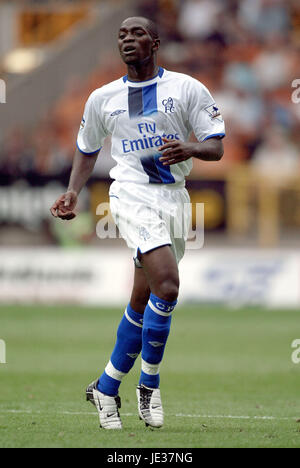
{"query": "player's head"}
pixel 138 40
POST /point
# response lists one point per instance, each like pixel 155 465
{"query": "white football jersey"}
pixel 139 114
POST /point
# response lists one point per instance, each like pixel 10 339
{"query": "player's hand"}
pixel 64 206
pixel 176 151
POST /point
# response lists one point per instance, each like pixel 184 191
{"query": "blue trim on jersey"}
pixel 160 74
pixel 142 101
pixel 164 171
pixel 135 102
pixel 88 154
pixel 157 172
pixel 150 99
pixel 161 71
pixel 148 163
pixel 222 135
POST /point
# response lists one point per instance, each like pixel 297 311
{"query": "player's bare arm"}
pixel 178 151
pixel 82 169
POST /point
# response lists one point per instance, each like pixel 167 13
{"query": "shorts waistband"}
pixel 176 186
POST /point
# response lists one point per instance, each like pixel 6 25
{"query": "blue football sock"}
pixel 156 329
pixel 127 349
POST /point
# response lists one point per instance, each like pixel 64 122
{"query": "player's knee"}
pixel 139 302
pixel 169 290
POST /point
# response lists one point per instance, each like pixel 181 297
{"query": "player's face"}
pixel 135 43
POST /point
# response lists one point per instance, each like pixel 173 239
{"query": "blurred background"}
pixel 53 54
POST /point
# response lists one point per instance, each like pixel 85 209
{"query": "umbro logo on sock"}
pixel 156 344
pixel 133 356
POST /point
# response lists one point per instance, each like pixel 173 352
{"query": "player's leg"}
pixel 104 392
pixel 140 291
pixel 161 271
pixel 129 338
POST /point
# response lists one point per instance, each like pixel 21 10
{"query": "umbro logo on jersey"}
pixel 169 105
pixel 118 112
pixel 156 344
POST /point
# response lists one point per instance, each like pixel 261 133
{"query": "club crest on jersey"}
pixel 169 105
pixel 214 112
pixel 118 112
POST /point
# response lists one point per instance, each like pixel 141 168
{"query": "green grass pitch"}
pixel 227 379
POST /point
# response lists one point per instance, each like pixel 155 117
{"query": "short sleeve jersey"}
pixel 139 114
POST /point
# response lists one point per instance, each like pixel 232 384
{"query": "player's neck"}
pixel 142 72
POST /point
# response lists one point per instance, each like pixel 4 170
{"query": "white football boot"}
pixel 150 406
pixel 107 407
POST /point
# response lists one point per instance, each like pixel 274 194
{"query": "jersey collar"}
pixel 142 83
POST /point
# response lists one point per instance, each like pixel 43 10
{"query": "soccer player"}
pixel 150 114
